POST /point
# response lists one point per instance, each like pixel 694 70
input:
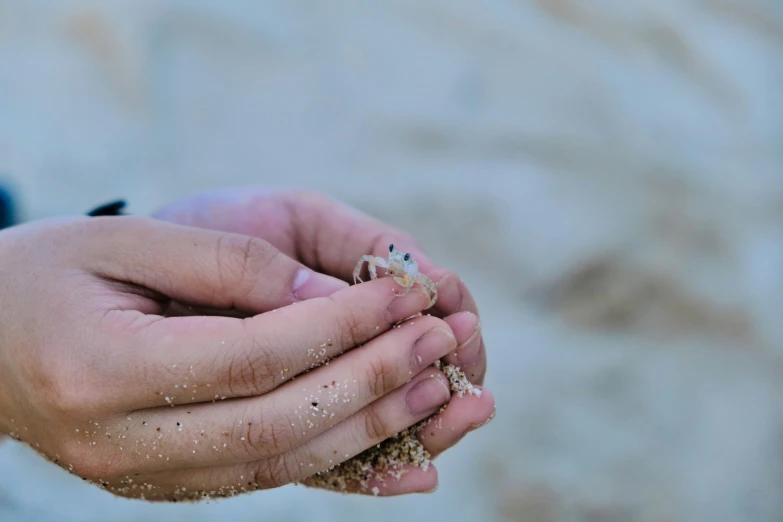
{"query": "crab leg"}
pixel 429 285
pixel 372 263
pixel 379 261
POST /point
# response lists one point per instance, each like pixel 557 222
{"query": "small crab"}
pixel 400 266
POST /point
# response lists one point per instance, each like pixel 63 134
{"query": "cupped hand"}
pixel 330 237
pixel 100 374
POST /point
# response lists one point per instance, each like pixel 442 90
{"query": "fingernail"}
pixel 401 307
pixel 432 346
pixel 469 350
pixel 309 284
pixel 427 396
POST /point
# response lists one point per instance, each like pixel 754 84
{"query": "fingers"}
pixel 323 233
pixel 327 236
pixel 466 413
pixel 330 247
pixel 367 428
pixel 186 360
pixel 202 267
pixel 412 479
pixel 461 416
pixel 457 306
pixel 255 428
pixel 320 224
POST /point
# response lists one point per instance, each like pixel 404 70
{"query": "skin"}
pixel 330 237
pixel 139 352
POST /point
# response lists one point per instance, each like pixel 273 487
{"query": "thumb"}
pixel 204 267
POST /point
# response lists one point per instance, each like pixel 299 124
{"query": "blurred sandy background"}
pixel 607 176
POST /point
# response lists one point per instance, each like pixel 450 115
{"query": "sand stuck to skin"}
pixel 391 459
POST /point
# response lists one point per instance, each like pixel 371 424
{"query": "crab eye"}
pixel 391 247
pixel 407 257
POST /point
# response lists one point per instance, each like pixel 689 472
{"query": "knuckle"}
pixel 375 427
pixel 89 462
pixel 274 472
pixel 62 396
pixel 50 390
pixel 380 378
pixel 252 371
pixel 240 260
pixel 69 402
pixel 264 439
pixel 351 327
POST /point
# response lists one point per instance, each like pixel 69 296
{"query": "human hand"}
pixel 330 237
pixel 98 374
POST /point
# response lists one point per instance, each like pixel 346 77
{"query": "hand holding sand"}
pixel 330 237
pixel 101 373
